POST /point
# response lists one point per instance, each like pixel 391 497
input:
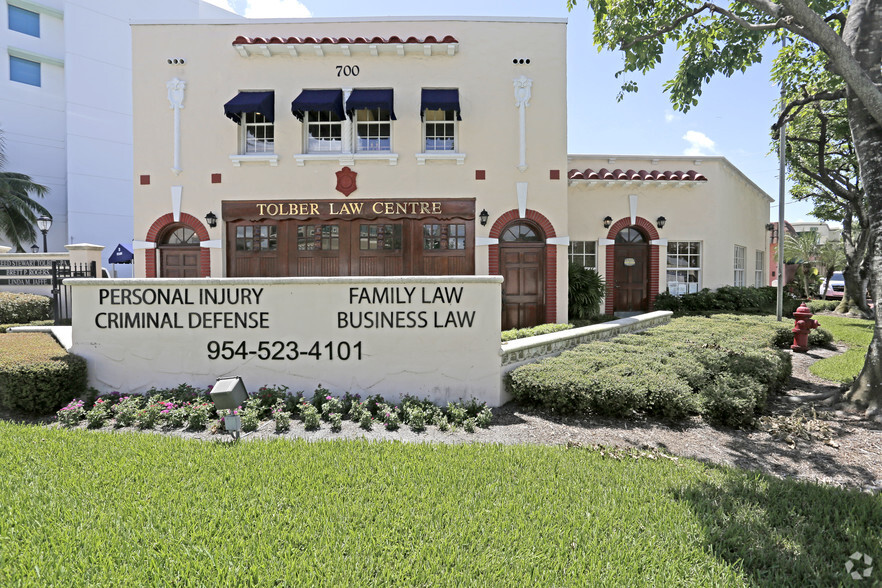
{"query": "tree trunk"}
pixel 854 299
pixel 862 31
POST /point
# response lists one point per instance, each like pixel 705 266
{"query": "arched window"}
pixel 520 233
pixel 630 235
pixel 181 236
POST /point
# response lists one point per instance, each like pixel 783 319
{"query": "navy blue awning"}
pixel 262 102
pixel 318 100
pixel 370 99
pixel 446 100
pixel 121 255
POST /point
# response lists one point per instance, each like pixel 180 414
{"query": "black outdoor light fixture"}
pixel 34 248
pixel 660 222
pixel 607 221
pixel 484 216
pixel 211 219
pixel 44 223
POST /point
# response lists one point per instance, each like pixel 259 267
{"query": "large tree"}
pixel 716 39
pixel 821 160
pixel 18 210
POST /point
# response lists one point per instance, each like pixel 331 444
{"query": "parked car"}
pixel 836 287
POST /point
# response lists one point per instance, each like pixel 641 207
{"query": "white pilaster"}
pixel 176 99
pixel 523 91
pixel 522 199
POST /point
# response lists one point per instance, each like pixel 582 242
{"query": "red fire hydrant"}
pixel 803 325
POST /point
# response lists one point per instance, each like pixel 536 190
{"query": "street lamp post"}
pixel 44 223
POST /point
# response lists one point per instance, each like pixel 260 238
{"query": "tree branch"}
pixel 710 6
pixel 820 96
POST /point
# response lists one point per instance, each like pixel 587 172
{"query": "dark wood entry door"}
pixel 631 277
pixel 179 262
pixel 523 291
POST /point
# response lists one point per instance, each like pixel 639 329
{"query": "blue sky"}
pixel 732 119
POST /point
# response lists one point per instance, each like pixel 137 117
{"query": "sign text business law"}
pixel 432 337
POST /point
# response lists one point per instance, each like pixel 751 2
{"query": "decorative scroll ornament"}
pixel 346 181
pixel 176 99
pixel 523 92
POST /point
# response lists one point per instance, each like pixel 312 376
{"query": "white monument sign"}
pixel 432 337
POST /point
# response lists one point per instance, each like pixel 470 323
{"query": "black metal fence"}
pixel 61 293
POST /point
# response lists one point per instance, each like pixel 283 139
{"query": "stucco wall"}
pixel 482 69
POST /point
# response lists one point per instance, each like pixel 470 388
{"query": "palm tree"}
pixel 802 249
pixel 831 257
pixel 18 211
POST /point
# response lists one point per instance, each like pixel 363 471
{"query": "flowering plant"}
pixel 71 414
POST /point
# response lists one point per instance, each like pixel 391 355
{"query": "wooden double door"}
pixel 338 247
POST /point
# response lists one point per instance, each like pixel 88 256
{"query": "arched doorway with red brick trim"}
pixel 524 255
pixel 178 248
pixel 632 266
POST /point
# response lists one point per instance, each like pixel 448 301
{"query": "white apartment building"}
pixel 66 108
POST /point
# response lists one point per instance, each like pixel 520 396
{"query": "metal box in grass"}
pixel 228 393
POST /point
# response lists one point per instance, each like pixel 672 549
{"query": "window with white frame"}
pixel 324 132
pixel 684 267
pixel 439 128
pixel 759 271
pixel 373 129
pixel 738 279
pixel 258 135
pixel 583 253
pixel 24 21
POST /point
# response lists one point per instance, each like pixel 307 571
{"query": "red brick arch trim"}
pixel 648 229
pixel 550 255
pixel 167 220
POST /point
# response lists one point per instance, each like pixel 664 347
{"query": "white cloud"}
pixel 276 9
pixel 699 144
pixel 671 116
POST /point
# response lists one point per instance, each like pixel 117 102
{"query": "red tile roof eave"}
pixel 309 40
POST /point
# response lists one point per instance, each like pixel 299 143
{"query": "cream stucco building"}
pixel 436 146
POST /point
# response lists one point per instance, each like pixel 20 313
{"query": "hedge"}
pixel 723 368
pixel 726 299
pixel 37 376
pixel 545 329
pixel 23 308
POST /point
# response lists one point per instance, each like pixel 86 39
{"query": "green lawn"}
pixel 81 508
pixel 856 333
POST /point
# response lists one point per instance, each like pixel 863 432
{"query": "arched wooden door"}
pixel 522 264
pixel 179 253
pixel 631 271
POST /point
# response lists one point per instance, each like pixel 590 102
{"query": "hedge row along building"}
pixel 438 146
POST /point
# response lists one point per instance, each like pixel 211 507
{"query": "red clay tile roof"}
pixel 242 40
pixel 631 175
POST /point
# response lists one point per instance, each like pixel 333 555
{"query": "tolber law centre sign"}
pixel 431 337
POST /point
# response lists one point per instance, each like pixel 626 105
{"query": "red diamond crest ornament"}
pixel 346 181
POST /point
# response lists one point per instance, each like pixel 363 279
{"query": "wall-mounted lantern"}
pixel 607 221
pixel 211 219
pixel 484 216
pixel 660 222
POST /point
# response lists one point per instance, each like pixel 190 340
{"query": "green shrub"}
pixel 37 376
pixel 513 334
pixel 822 305
pixel 24 308
pixel 671 371
pixel 586 290
pixel 726 299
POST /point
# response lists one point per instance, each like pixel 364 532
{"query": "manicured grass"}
pixel 97 509
pixel 845 367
